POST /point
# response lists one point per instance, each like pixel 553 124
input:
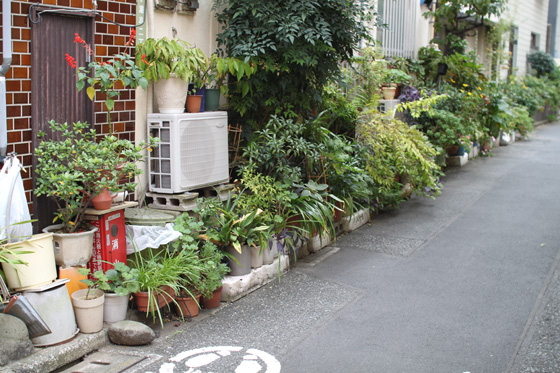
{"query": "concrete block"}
pixel 457 160
pixel 235 287
pixel 177 202
pixel 355 221
pixel 317 242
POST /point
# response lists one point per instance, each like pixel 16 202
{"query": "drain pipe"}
pixel 6 63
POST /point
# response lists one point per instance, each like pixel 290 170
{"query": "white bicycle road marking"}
pixel 251 360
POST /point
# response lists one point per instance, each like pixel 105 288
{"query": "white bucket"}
pixel 40 268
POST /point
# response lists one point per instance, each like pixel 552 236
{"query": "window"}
pixel 399 39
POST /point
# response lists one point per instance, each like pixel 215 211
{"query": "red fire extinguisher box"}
pixel 109 243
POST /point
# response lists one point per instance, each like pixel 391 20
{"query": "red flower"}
pixel 144 59
pixel 71 60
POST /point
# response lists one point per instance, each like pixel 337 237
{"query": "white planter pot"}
pixel 243 265
pixel 256 257
pixel 72 249
pixel 268 253
pixel 115 307
pixel 40 268
pixel 171 95
pixel 355 221
pixel 89 312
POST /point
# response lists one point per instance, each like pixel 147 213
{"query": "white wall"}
pixel 529 16
pixel 199 29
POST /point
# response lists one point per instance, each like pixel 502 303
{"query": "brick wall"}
pixel 109 39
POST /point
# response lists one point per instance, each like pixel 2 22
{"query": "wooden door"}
pixel 53 82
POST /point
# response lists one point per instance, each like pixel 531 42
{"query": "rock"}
pixel 130 333
pixel 14 339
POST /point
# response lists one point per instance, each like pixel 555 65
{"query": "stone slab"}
pixel 235 287
pixel 457 160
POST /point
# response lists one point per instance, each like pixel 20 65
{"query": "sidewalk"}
pixel 467 282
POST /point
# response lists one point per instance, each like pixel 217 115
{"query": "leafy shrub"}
pixel 541 62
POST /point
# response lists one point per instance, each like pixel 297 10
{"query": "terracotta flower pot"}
pixel 162 298
pixel 189 307
pixel 103 200
pixel 193 103
pixel 214 301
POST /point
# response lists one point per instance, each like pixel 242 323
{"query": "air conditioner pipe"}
pixel 6 63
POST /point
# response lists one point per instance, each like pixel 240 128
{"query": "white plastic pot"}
pixel 115 307
pixel 171 95
pixel 89 312
pixel 40 268
pixel 72 249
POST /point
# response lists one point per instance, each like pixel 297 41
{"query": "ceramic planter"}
pixel 103 200
pixel 89 312
pixel 389 93
pixel 115 307
pixel 40 268
pixel 71 249
pixel 214 301
pixel 256 257
pixel 171 95
pixel 243 265
pixel 188 306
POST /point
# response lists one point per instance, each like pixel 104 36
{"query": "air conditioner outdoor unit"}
pixel 193 152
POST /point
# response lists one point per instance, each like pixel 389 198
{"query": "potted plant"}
pixel 110 76
pixel 159 278
pixel 391 79
pixel 236 231
pixel 211 268
pixel 213 78
pixel 88 303
pixel 121 281
pixel 71 169
pixel 171 64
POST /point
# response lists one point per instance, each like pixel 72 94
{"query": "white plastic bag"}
pixel 13 203
pixel 140 237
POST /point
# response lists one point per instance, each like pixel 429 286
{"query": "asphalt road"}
pixel 467 282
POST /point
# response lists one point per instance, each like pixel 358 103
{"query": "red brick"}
pixel 26 34
pixel 21 46
pixel 14 136
pixel 26 85
pixel 25 7
pixel 22 148
pixel 112 50
pixel 26 59
pixel 16 32
pixel 124 116
pixel 27 136
pixel 101 28
pixel 13 85
pixel 113 7
pixel 129 126
pixel 112 29
pixel 9 98
pixel 64 2
pixel 118 127
pixel 13 111
pixel 125 8
pixel 131 19
pixel 26 111
pixel 100 117
pixel 28 183
pixel 21 123
pixel 120 40
pixel 108 39
pixel 19 21
pixel 21 98
pixel 108 15
pixel 10 124
pixel 16 59
pixel 130 105
pixel 88 4
pixel 120 18
pixel 27 159
pixel 102 5
pixel 21 72
pixel 119 106
pixel 77 3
